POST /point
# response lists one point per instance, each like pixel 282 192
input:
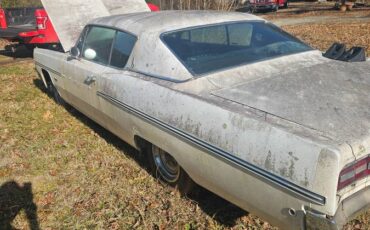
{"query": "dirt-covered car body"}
pixel 271 136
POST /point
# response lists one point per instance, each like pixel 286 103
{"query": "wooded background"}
pixel 163 4
pixel 197 4
pixel 19 3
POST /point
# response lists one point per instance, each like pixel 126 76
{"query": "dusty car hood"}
pixel 69 17
pixel 332 97
pixel 116 7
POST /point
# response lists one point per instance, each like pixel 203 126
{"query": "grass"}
pixel 351 34
pixel 59 170
pixel 83 177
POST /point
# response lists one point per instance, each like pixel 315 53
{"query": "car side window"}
pixel 98 44
pixel 122 48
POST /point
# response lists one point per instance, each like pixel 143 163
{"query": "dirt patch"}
pixel 322 36
pixel 78 175
pixel 320 25
pixel 70 172
pixel 306 9
pixel 84 177
pixel 3 43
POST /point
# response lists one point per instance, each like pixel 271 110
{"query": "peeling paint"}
pixel 270 162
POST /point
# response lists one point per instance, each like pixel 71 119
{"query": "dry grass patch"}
pixel 322 36
pixel 69 173
pixel 3 43
pixel 79 176
pixel 312 9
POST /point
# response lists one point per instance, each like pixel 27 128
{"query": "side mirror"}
pixel 90 54
pixel 75 52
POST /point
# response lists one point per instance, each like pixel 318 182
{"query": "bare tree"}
pixel 224 5
pixel 19 3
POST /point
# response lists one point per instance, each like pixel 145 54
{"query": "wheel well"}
pixel 46 76
pixel 142 144
pixel 185 185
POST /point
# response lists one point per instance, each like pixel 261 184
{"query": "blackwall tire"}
pixel 55 94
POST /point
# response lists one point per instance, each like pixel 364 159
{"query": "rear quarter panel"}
pixel 310 165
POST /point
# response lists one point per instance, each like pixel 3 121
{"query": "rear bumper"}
pixel 13 32
pixel 347 210
pixel 9 33
pixel 353 206
pixel 28 36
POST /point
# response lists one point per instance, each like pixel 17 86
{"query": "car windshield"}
pixel 215 47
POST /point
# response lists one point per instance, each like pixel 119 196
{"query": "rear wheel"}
pixel 165 168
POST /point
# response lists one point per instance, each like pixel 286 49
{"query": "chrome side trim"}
pixel 157 76
pixel 228 158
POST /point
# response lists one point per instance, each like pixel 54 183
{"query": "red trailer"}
pixel 153 7
pixel 264 5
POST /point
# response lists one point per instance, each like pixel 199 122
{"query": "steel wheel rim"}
pixel 166 165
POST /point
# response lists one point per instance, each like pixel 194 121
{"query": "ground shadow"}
pixel 219 209
pixel 13 199
pixel 17 51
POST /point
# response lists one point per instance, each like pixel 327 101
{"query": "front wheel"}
pixel 166 169
pixel 55 94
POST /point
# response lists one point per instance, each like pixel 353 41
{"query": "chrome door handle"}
pixel 89 80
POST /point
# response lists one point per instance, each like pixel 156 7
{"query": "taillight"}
pixel 3 23
pixel 41 22
pixel 354 172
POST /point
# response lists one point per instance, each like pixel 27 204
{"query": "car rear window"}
pixel 215 47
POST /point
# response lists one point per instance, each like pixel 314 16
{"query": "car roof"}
pixel 149 52
pixel 158 22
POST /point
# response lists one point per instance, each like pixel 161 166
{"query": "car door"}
pixel 84 73
pixel 115 83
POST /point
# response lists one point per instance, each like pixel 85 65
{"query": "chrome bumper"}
pixel 348 209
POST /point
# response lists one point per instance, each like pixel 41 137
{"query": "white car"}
pixel 229 101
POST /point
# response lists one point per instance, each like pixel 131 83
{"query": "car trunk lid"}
pixel 331 97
